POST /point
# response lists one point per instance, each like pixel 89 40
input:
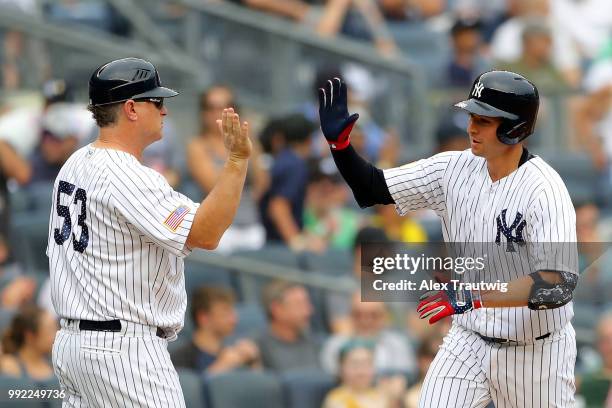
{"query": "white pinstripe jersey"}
pixel 458 187
pixel 117 236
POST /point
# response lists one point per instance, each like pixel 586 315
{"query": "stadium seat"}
pixel 51 384
pixel 306 388
pixel 9 383
pixel 244 389
pixel 192 388
pixel 30 236
pixel 199 274
pixel 251 318
pixel 250 286
pixel 578 172
pixel 332 262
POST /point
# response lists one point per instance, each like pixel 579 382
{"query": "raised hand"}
pixel 336 123
pixel 235 136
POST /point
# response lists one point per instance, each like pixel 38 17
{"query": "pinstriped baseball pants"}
pixel 468 372
pixel 131 368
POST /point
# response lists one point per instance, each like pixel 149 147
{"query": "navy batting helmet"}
pixel 505 95
pixel 126 78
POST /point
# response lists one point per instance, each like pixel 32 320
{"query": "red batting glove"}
pixel 443 303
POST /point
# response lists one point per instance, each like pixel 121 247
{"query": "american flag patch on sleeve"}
pixel 176 217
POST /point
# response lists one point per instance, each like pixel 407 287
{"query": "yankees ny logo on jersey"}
pixel 517 227
pixel 478 90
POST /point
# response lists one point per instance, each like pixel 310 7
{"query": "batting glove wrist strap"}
pixel 336 123
pixel 437 305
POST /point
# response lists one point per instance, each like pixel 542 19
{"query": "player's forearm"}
pixel 520 292
pixel 367 182
pixel 517 294
pixel 219 207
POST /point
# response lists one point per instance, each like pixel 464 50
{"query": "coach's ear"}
pixel 129 109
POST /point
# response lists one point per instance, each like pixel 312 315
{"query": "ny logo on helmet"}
pixel 478 89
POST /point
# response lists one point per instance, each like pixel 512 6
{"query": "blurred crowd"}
pixel 295 199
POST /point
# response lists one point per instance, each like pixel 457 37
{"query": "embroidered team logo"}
pixel 516 228
pixel 176 217
pixel 477 89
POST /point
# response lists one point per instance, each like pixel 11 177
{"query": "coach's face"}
pixel 482 131
pixel 150 115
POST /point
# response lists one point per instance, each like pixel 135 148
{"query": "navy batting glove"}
pixel 336 123
pixel 442 303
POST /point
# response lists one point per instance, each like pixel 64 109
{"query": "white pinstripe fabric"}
pixel 468 372
pixel 131 368
pixel 128 266
pixel 458 187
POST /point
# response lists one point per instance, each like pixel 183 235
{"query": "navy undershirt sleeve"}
pixel 367 181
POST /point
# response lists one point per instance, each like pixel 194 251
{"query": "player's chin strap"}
pixel 547 295
pixel 437 305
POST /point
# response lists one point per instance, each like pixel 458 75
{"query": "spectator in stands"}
pixel 507 46
pixel 12 166
pixel 27 345
pixel 490 12
pixel 282 206
pixel 287 342
pixel 162 155
pixel 451 133
pixel 206 156
pixel 467 61
pixel 370 321
pixel 361 19
pixel 338 305
pixel 24 62
pixel 593 256
pixel 214 318
pixel 535 61
pixel 326 218
pixel 405 10
pixel 425 355
pixel 357 376
pixel 594 119
pixel 398 228
pixel 596 388
pixel 369 138
pixel 57 130
pixel 301 11
pixel 15 289
pixel 380 145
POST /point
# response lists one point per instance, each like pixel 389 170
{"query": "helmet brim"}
pixel 484 109
pixel 159 92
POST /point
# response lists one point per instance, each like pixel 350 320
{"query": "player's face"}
pixel 482 131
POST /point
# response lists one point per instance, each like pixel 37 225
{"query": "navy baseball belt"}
pixel 108 326
pixel 508 341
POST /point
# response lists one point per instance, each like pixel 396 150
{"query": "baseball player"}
pixel 515 348
pixel 118 234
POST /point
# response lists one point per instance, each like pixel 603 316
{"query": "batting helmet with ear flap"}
pixel 126 78
pixel 506 95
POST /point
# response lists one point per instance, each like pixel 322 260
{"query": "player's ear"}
pixel 129 109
